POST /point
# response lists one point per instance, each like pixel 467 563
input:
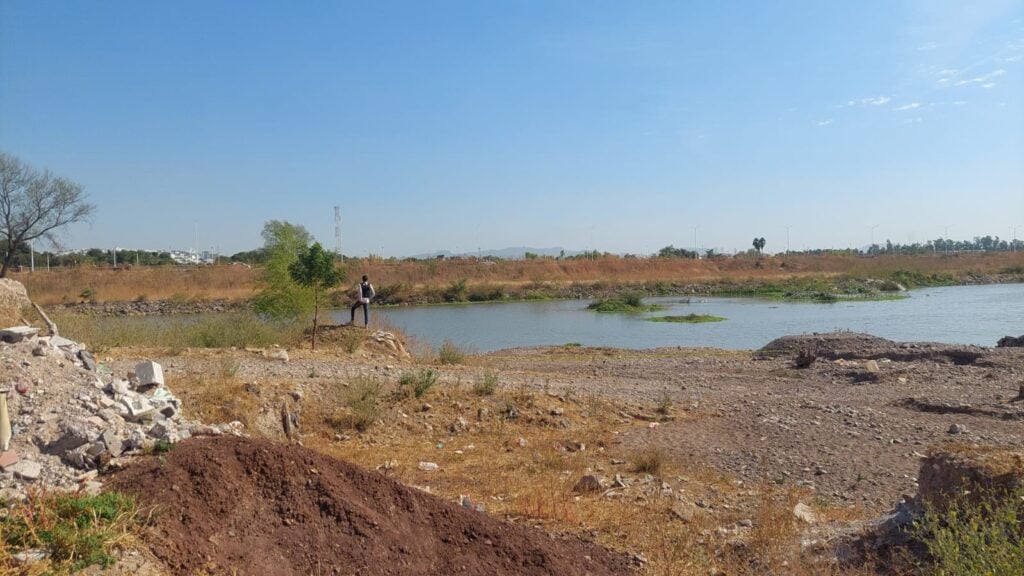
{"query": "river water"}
pixel 960 314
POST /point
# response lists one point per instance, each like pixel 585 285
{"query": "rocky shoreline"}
pixel 153 307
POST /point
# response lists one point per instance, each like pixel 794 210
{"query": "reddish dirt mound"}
pixel 257 507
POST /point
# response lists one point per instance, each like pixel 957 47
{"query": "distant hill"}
pixel 513 253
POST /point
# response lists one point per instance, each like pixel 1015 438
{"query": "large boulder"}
pixel 13 299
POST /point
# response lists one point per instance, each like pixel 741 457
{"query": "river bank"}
pixel 814 288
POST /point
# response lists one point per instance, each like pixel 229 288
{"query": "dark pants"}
pixel 366 313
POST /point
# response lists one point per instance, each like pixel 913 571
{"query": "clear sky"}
pixel 464 125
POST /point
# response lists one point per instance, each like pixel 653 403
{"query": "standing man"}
pixel 364 294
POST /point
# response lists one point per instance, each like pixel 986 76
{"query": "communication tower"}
pixel 337 230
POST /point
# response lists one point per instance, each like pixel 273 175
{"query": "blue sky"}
pixel 461 125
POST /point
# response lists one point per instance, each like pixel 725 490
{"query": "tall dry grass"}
pixel 521 469
pixel 66 285
pixel 404 277
pixel 225 330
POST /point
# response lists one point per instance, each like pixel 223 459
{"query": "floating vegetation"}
pixel 688 319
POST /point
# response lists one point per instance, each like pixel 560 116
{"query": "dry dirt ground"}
pixel 742 435
pixel 852 435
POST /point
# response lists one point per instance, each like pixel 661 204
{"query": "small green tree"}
pixel 759 244
pixel 281 297
pixel 314 269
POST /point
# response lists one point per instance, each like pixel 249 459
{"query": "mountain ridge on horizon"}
pixel 512 252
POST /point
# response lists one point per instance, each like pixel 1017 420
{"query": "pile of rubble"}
pixel 64 416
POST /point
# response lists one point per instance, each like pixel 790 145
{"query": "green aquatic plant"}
pixel 688 319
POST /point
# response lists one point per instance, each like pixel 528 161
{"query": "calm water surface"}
pixel 961 314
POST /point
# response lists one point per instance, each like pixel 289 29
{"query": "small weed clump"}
pixel 486 385
pixel 162 447
pixel 980 536
pixel 362 399
pixel 451 353
pixel 418 383
pixel 351 340
pixel 649 461
pixel 77 531
pixel 87 294
pixel 664 403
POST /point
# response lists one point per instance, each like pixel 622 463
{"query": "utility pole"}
pixel 696 253
pixel 787 239
pixel 872 245
pixel 945 238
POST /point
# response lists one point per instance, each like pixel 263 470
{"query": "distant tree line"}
pixel 22 257
pixel 261 256
pixel 979 244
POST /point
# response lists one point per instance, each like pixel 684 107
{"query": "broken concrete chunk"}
pixel 138 408
pixel 112 441
pixel 8 459
pixel 95 449
pixel 17 333
pixel 135 441
pixel 149 374
pixel 119 387
pixel 74 435
pixel 88 360
pixel 77 458
pixel 158 431
pixel 27 470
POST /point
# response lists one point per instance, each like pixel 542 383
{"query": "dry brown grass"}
pixel 65 285
pixel 533 484
pixel 524 469
pixel 217 396
pixel 239 282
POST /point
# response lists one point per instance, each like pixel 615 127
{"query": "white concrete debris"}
pixel 149 374
pixel 16 334
pixel 67 419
